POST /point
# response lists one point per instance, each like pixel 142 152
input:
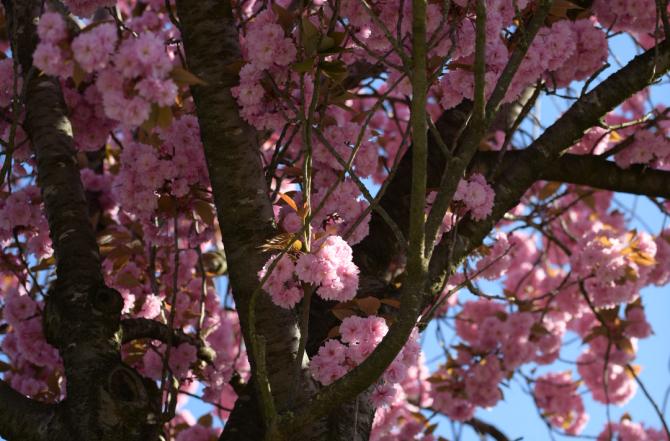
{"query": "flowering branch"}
pixel 520 175
pixel 361 377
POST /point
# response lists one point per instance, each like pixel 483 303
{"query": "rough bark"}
pixel 240 193
pixel 22 418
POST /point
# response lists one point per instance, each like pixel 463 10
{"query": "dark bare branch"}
pixel 484 428
pixel 591 171
pixel 139 328
pixel 23 418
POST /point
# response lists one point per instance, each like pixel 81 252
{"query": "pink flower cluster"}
pixel 90 125
pixel 621 387
pixel 93 49
pixel 497 259
pixel 556 395
pixel 183 148
pixel 176 165
pixel 627 430
pixel 398 419
pixel 33 359
pixel 50 56
pixel 346 202
pixel 615 267
pixel 224 337
pixel 140 67
pixel 131 77
pixel 142 174
pixel 458 390
pixel 660 275
pixel 495 344
pixel 564 52
pixel 329 268
pixel 477 195
pixel 627 15
pixel 268 51
pixel 637 325
pixel 181 359
pixel 342 137
pixel 519 337
pixel 99 185
pixel 20 211
pixel 368 31
pixel 282 285
pixel 589 56
pixel 359 337
pixel 648 147
pixel 594 142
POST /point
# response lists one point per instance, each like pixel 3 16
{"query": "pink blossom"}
pixel 383 395
pixel 477 196
pixel 181 359
pixel 51 28
pixel 556 394
pixel 92 49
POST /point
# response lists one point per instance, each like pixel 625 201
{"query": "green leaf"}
pixel 206 420
pixel 44 264
pixel 183 77
pixel 164 117
pixel 335 70
pixel 78 74
pixel 369 305
pixel 204 211
pixel 284 17
pixel 303 66
pixel 310 36
pixel 338 37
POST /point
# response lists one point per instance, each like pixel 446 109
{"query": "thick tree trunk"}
pixel 106 400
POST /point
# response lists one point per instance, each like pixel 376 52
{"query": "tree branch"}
pixel 139 328
pixel 485 428
pixel 519 175
pixel 591 171
pixel 361 377
pixel 23 418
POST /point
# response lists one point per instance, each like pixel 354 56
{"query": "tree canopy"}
pixel 261 205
